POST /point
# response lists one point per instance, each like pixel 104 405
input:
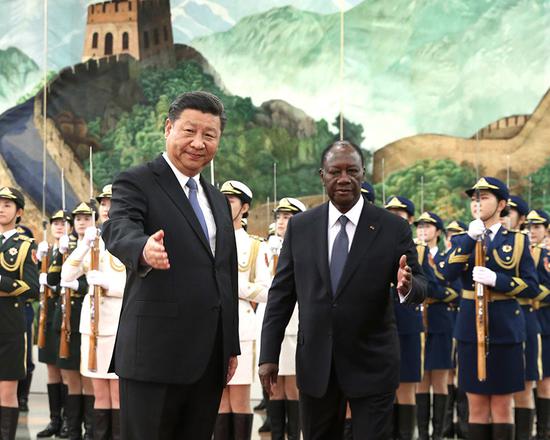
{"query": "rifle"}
pixel 482 315
pixel 95 297
pixel 64 347
pixel 45 293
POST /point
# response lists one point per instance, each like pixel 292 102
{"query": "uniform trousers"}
pixel 163 411
pixel 323 418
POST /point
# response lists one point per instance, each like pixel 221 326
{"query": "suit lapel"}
pixel 6 243
pixel 171 186
pixel 320 229
pixel 366 231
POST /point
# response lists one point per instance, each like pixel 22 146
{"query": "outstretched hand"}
pixel 404 277
pixel 154 254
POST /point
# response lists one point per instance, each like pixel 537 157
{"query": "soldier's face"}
pixel 237 207
pixel 511 221
pixel 426 232
pixel 342 174
pixel 282 222
pixel 81 222
pixel 192 140
pixel 489 205
pixel 104 207
pixel 402 213
pixel 58 228
pixel 537 233
pixel 9 212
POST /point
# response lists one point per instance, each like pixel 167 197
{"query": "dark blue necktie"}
pixel 193 199
pixel 339 254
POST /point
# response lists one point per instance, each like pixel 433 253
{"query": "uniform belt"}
pixel 470 294
pixel 525 301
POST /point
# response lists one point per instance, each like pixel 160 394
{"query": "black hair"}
pixel 325 152
pixel 202 101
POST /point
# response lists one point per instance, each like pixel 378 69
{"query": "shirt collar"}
pixel 7 235
pixel 434 250
pixel 353 214
pixel 494 229
pixel 182 178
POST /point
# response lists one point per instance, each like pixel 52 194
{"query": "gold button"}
pixel 459 250
pixel 72 302
pixel 517 312
pixel 486 258
pixel 530 309
pixel 16 305
pixel 512 284
pixel 508 257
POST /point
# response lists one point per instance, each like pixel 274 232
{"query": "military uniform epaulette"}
pixel 23 237
pixel 460 233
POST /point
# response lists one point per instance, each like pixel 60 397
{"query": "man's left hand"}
pixel 231 368
pixel 404 277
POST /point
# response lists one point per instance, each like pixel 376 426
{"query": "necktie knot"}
pixel 343 221
pixel 192 184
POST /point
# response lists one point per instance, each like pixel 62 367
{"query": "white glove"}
pixel 73 285
pixel 64 244
pixel 275 244
pixel 476 229
pixel 97 278
pixel 484 276
pixel 43 279
pixel 90 235
pixel 42 250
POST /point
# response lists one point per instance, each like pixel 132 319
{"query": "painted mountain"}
pixel 18 75
pixel 410 66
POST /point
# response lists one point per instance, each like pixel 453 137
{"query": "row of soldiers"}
pixel 438 339
pixel 80 287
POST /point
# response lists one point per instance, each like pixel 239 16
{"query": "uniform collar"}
pixel 353 214
pixel 8 234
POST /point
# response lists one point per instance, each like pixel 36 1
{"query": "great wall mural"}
pixel 429 89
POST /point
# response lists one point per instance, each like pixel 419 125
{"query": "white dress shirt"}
pixel 494 230
pixel 8 234
pixel 334 225
pixel 203 201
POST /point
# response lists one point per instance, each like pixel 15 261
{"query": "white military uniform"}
pixel 77 264
pixel 254 279
pixel 287 358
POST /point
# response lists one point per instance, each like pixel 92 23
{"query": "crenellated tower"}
pixel 140 28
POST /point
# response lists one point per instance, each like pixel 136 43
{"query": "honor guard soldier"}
pixel 235 414
pixel 517 213
pixel 24 385
pixel 537 224
pixel 60 222
pixel 496 268
pixel 99 321
pixel 457 397
pixel 367 191
pixel 104 201
pixel 409 327
pixel 18 282
pixel 438 314
pixel 67 323
pixel 282 408
pixel 524 402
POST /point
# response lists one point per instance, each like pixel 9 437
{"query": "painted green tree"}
pixel 444 186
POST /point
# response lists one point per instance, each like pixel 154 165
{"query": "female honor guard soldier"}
pixel 508 273
pixel 111 277
pixel 235 414
pixel 537 224
pixel 48 354
pixel 439 326
pixel 70 365
pixel 409 327
pixel 524 403
pixel 282 407
pixel 18 282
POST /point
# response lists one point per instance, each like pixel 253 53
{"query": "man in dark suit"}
pixel 177 339
pixel 338 262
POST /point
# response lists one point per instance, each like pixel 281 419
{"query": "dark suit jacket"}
pixel 169 318
pixel 354 329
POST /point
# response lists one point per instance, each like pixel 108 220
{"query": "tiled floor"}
pixel 38 417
